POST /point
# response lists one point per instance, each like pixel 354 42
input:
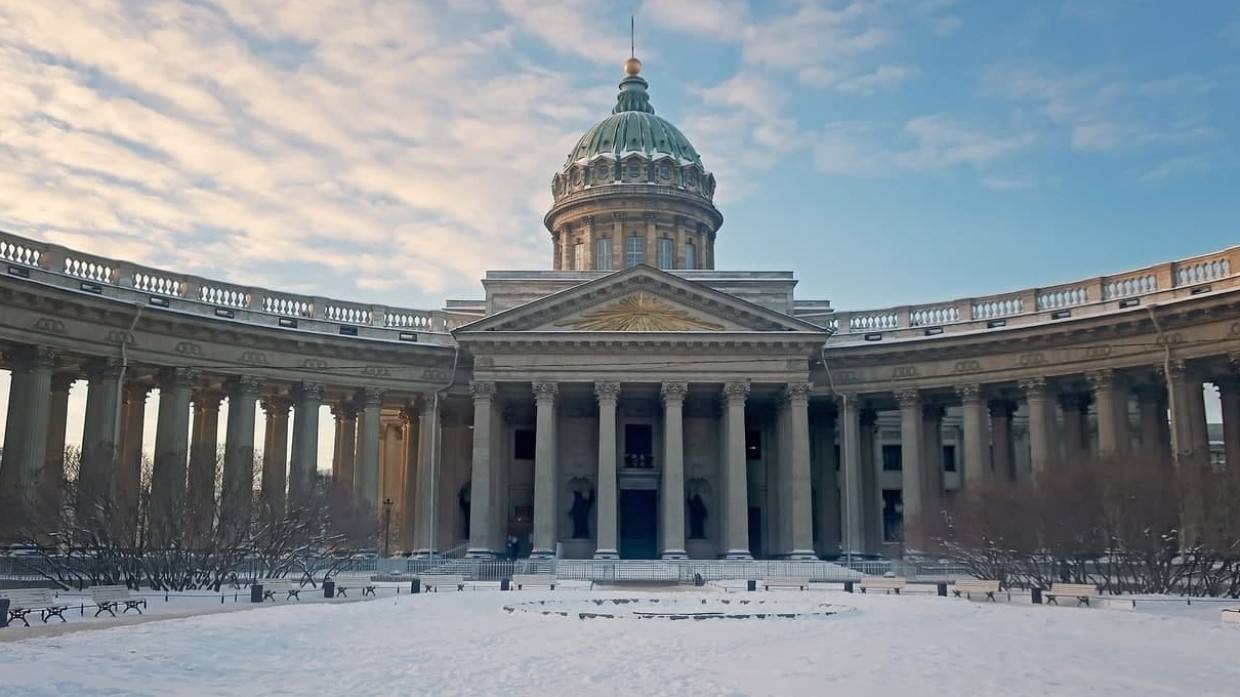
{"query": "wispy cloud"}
pixel 923 143
pixel 1174 167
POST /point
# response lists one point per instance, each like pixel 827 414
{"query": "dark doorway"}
pixel 638 523
pixel 755 532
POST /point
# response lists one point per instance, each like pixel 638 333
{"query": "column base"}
pixel 479 553
pixel 738 555
pixel 542 554
pixel 802 555
pixel 606 554
pixel 674 554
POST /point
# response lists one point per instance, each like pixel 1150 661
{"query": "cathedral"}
pixel 630 402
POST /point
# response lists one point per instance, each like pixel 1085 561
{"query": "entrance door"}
pixel 638 523
pixel 755 532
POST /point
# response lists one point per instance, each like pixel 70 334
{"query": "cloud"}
pixel 1009 183
pixel 1174 167
pixel 882 78
pixel 720 20
pixel 923 143
pixel 945 26
pixel 1099 112
pixel 316 148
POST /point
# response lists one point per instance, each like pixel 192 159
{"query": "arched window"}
pixel 665 253
pixel 634 250
pixel 690 256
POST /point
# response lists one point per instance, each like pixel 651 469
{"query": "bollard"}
pixel 1035 596
pixel 415 586
pixel 329 589
pixel 221 598
pixel 697 580
pixel 848 586
pixel 505 584
pixel 4 612
pixel 751 585
pixel 256 593
pixel 942 589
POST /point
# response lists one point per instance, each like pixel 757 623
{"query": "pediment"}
pixel 640 299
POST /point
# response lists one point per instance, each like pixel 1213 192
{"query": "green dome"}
pixel 634 128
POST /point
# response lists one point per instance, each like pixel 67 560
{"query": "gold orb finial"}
pixel 632 67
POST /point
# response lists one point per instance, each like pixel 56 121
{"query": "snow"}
pixel 465 644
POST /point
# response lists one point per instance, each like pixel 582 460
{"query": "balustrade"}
pixel 991 308
pixel 1188 273
pixel 1059 298
pixel 1114 289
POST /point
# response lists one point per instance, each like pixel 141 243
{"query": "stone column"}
pixel 52 480
pixel 1001 454
pixel 482 472
pixel 827 514
pixel 275 457
pixel 428 426
pixel 1188 439
pixel 871 493
pixel 97 465
pixel 1110 402
pixel 238 485
pixel 345 455
pixel 1229 401
pixel 304 465
pixel 1041 427
pixel 608 497
pixel 736 511
pixel 1075 441
pixel 976 436
pixel 672 497
pixel 366 474
pixel 849 411
pixel 204 449
pixel 912 439
pixel 932 458
pixel 408 524
pixel 127 482
pixel 25 434
pixel 1152 408
pixel 802 543
pixel 167 512
pixel 545 516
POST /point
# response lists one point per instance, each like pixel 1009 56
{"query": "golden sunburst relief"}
pixel 639 313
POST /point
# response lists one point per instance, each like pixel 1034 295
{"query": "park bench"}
pixel 1231 615
pixel 786 582
pixel 273 587
pixel 886 584
pixel 967 587
pixel 523 580
pixel 433 582
pixel 348 582
pixel 1081 591
pixel 23 601
pixel 108 598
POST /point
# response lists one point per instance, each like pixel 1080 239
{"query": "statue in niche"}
pixel 580 513
pixel 696 509
pixel 462 500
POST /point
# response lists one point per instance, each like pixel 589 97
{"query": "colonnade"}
pixel 185 476
pixel 795 519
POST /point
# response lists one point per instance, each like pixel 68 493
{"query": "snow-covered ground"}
pixel 466 644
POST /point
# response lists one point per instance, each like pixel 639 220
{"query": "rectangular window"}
pixel 690 256
pixel 602 255
pixel 892 458
pixel 523 444
pixel 949 458
pixel 579 255
pixel 634 250
pixel 638 446
pixel 665 254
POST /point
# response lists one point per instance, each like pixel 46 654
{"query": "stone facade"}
pixel 639 412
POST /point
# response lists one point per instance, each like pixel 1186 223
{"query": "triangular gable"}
pixel 640 299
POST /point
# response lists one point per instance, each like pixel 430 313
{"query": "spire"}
pixel 633 96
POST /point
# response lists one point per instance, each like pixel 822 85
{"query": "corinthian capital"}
pixel 735 391
pixel 1034 386
pixel 797 391
pixel 546 391
pixel 481 390
pixel 970 393
pixel 673 391
pixel 607 391
pixel 908 399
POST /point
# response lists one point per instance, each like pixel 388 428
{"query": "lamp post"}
pixel 387 524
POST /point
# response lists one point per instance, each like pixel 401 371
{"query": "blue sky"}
pixel 887 152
